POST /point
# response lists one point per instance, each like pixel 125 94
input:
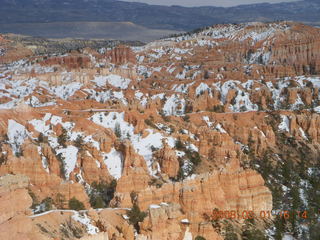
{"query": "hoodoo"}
pixel 204 135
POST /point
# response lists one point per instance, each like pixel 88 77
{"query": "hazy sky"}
pixel 191 3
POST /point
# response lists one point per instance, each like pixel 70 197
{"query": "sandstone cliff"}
pixel 220 118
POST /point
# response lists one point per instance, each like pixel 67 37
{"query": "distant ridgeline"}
pixel 152 16
pixel 42 46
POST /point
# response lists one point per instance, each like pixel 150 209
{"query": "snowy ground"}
pixel 142 145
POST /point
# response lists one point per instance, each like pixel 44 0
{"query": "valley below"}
pixel 206 135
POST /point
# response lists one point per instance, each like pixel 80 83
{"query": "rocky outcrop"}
pixel 44 184
pixel 234 189
pixel 69 62
pixel 14 206
pixel 230 94
pixel 121 55
pixel 168 160
pixel 167 222
pixel 134 172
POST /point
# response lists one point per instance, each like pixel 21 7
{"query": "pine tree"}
pixel 135 216
pixel 63 138
pixel 117 130
pixel 75 204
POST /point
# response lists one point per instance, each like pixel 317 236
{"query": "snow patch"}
pixel 202 88
pixel 285 123
pixel 187 235
pixel 220 128
pixel 118 81
pixel 17 133
pixel 207 120
pixel 185 221
pixel 85 220
pixel 66 91
pixel 174 106
pixel 114 163
pixel 140 144
pixel 69 155
pixel 154 206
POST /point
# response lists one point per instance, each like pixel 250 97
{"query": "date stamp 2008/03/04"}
pixel 248 214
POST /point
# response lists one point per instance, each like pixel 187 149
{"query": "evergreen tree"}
pixel 79 142
pixel 63 138
pixel 117 130
pixel 75 204
pixel 135 216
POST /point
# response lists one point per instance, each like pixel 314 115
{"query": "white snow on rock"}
pixel 140 59
pixel 99 96
pixel 181 75
pixel 317 109
pixel 40 125
pixel 114 163
pixel 192 147
pixel 85 220
pixel 303 193
pixel 233 32
pixel 8 105
pixel 160 95
pixel 144 71
pixel 111 120
pixel 44 160
pixel 303 134
pixel 180 153
pixel 203 87
pixel 285 124
pixel 164 128
pixel 119 95
pixel 187 235
pixel 259 57
pixel 94 143
pixel 16 135
pixel 138 95
pixel 35 102
pixel 182 88
pixel 140 144
pixel 288 236
pixel 100 81
pixel 207 120
pixel 225 87
pixel 298 103
pixel 103 96
pixel 185 221
pixel 143 145
pixel 154 206
pixel 144 102
pixel 66 91
pixel 220 128
pixel 171 70
pixel 243 103
pixel 69 155
pixel 164 204
pixel 174 106
pixel 112 79
pixel 47 116
pixel 181 51
pixel 187 167
pixel 55 120
pixel 314 80
pixel 158 53
pixel 20 89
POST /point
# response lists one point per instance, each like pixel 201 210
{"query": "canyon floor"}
pixel 212 134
